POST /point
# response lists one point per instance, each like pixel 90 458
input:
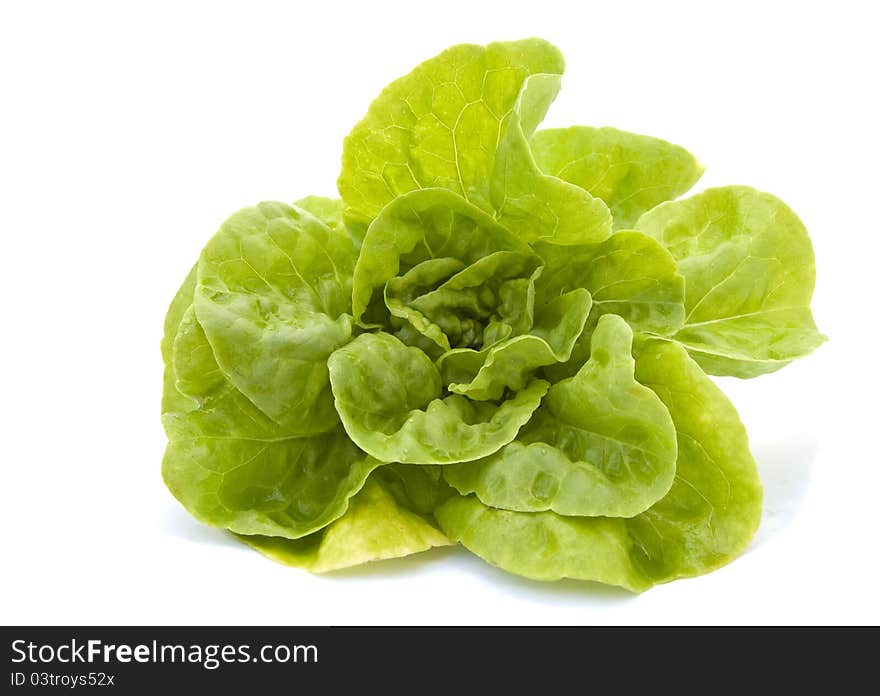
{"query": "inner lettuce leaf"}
pixel 411 325
pixel 601 444
pixel 419 226
pixel 496 336
pixel 497 288
pixel 389 396
pixel 749 273
pixel 493 296
pixel 510 363
pixel 705 520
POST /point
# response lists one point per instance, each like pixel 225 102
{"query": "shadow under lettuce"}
pixel 482 572
pixel 785 467
pixel 177 522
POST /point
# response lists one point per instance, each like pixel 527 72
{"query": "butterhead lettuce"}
pixel 496 336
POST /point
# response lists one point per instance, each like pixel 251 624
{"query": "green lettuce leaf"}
pixel 375 527
pixel 173 400
pixel 532 204
pixel 461 121
pixel 749 273
pixel 708 517
pixel 601 444
pixel 630 275
pixel 438 126
pixel 389 398
pixel 232 466
pixel 420 226
pixel 498 288
pixel 631 173
pixel 273 296
pixel 491 297
pixel 509 364
pixel 327 210
pixel 413 327
pixel 417 487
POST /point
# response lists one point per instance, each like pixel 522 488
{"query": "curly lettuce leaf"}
pixel 601 444
pixel 749 273
pixel 411 326
pixel 510 363
pixel 708 517
pixel 420 226
pixel 630 275
pixel 389 398
pixel 498 287
pixel 493 296
pixel 273 294
pixel 631 173
pixel 232 466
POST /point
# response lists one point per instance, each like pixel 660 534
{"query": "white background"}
pixel 128 132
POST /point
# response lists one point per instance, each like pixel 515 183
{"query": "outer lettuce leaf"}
pixel 707 518
pixel 530 202
pixel 461 121
pixel 714 508
pixel 388 396
pixel 273 296
pixel 173 400
pixel 600 445
pixel 629 275
pixel 438 126
pixel 375 527
pixel 196 373
pixel 546 546
pixel 417 227
pixel 631 173
pixel 232 466
pixel 289 487
pixel 749 274
pixel 510 363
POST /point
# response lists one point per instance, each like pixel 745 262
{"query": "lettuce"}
pixel 497 336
